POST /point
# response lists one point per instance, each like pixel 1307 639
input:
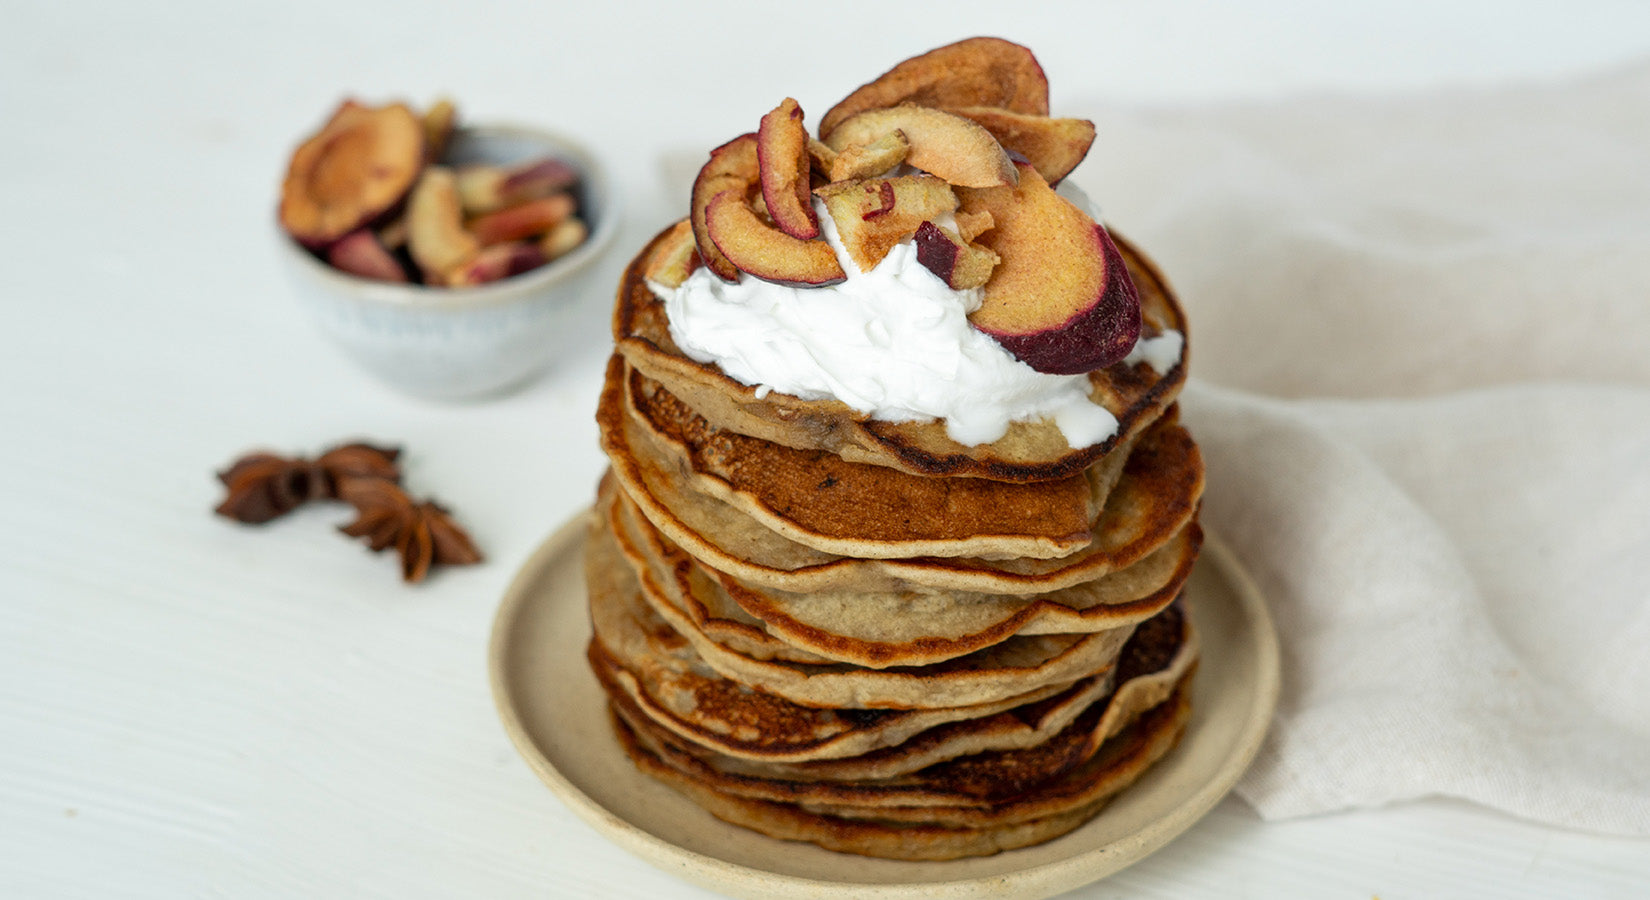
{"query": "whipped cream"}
pixel 893 342
pixel 1162 352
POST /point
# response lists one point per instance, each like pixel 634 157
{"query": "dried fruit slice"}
pixel 782 161
pixel 821 158
pixel 952 147
pixel 875 158
pixel 973 223
pixel 568 234
pixel 767 253
pixel 732 166
pixel 1054 146
pixel 486 189
pixel 978 71
pixel 959 264
pixel 674 257
pixel 873 215
pixel 524 220
pixel 439 122
pixel 356 171
pixel 361 253
pixel 435 226
pixel 498 261
pixel 1060 300
pixel 393 233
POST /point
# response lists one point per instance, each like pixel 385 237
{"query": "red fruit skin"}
pixel 789 201
pixel 885 196
pixel 723 171
pixel 360 253
pixel 733 228
pixel 538 178
pixel 1093 338
pixel 935 252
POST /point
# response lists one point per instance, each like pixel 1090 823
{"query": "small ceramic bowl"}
pixel 464 343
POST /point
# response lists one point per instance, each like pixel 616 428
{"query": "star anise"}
pixel 422 533
pixel 264 486
pixel 360 460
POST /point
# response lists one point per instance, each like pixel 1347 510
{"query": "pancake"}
pixel 995 673
pixel 1053 810
pixel 696 592
pixel 1030 451
pixel 889 628
pixel 1159 655
pixel 819 500
pixel 958 791
pixel 1156 496
pixel 636 655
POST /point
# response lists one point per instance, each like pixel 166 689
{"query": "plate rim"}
pixel 718 874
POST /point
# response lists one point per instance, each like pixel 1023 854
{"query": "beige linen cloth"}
pixel 1421 359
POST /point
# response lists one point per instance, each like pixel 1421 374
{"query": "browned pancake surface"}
pixel 821 494
pixel 1155 497
pixel 635 653
pixel 1055 809
pixel 1042 736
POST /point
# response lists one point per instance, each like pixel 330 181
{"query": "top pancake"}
pixel 1030 451
pixel 818 499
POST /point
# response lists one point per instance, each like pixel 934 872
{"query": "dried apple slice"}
pixel 732 166
pixel 496 262
pixel 485 189
pixel 361 253
pixel 959 264
pixel 357 170
pixel 873 215
pixel 561 240
pixel 979 71
pixel 821 158
pixel 393 233
pixel 973 223
pixel 435 226
pixel 764 252
pixel 1060 300
pixel 523 220
pixel 951 147
pixel 674 258
pixel 782 162
pixel 1054 146
pixel 439 122
pixel 867 160
pixel 348 106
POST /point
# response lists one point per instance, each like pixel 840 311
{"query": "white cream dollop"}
pixel 1162 352
pixel 893 342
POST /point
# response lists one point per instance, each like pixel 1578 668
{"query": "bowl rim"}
pixel 505 291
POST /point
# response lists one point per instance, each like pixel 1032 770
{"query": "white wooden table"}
pixel 189 708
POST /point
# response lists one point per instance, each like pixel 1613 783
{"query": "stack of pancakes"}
pixel 862 634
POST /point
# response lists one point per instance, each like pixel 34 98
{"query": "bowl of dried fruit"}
pixel 445 259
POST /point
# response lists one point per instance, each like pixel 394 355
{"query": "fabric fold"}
pixel 1421 362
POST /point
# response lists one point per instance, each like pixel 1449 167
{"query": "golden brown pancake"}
pixel 892 628
pixel 959 791
pixel 1052 810
pixel 1001 671
pixel 820 500
pixel 1030 451
pixel 1159 656
pixel 636 654
pixel 1155 497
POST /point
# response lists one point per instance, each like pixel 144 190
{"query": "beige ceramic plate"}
pixel 556 715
